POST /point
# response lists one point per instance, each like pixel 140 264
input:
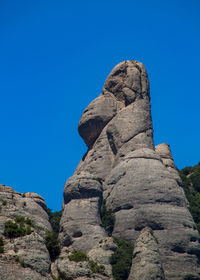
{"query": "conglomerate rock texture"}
pixel 138 182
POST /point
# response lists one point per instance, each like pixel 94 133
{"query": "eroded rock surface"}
pixel 25 257
pixel 138 182
pixel 146 258
pixel 133 180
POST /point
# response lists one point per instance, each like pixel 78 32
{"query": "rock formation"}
pixel 138 182
pixel 122 172
pixel 146 258
pixel 25 257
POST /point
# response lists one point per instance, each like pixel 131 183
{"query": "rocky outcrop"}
pixel 95 266
pixel 25 255
pixel 138 182
pixel 146 258
pixel 123 187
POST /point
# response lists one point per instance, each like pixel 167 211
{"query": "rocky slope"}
pixel 124 188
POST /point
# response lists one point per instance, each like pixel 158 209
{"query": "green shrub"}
pixel 107 219
pixel 29 222
pixel 54 218
pixel 52 244
pixel 186 170
pixel 20 219
pixel 17 228
pixel 13 230
pixel 1 241
pixel 28 230
pixel 191 184
pixel 23 264
pixel 191 277
pixel 95 268
pixel 77 256
pixel 4 202
pixel 1 245
pixel 17 259
pixel 121 260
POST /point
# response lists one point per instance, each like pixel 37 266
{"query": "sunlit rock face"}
pixel 138 182
pixel 24 257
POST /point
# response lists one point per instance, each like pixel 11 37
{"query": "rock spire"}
pixel 136 181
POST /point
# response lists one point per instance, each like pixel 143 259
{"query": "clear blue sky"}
pixel 54 59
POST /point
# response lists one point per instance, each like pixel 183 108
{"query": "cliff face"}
pixel 137 181
pixel 124 174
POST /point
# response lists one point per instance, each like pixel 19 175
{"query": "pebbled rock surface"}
pixel 139 182
pixel 24 257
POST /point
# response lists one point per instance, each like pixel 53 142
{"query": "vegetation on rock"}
pixel 1 245
pixel 191 184
pixel 107 218
pixel 54 218
pixel 121 260
pixel 52 244
pixel 4 202
pixel 21 227
pixel 95 268
pixel 78 256
pixel 191 277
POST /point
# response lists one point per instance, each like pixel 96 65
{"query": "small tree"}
pixel 52 244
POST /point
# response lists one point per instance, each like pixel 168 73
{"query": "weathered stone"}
pixel 146 263
pixel 10 269
pixel 139 182
pixel 25 257
pixel 37 198
pixel 165 153
pixel 66 269
pixel 102 252
pixel 81 222
pixel 96 116
pixel 128 81
pixel 82 185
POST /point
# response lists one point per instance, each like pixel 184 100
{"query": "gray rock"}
pixel 146 263
pixel 128 81
pixel 66 269
pixel 81 225
pixel 96 116
pixel 102 252
pixel 10 269
pixel 24 257
pixel 139 182
pixel 164 152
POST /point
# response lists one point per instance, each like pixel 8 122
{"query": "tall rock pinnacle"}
pixel 135 180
